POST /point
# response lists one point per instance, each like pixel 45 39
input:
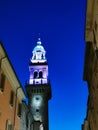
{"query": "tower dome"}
pixel 38 53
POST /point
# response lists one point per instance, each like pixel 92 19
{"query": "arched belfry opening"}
pixel 40 74
pixel 35 74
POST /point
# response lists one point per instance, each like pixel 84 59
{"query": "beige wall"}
pixel 7 112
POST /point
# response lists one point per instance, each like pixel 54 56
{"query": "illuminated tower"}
pixel 38 88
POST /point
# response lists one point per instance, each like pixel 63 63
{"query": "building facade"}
pixel 91 65
pixel 11 94
pixel 38 88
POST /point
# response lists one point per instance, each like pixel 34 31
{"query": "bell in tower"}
pixel 39 88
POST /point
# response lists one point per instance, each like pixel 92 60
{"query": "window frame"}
pixel 2 81
pixel 19 110
pixel 11 101
pixel 9 125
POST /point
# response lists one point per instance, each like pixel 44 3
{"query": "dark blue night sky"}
pixel 61 25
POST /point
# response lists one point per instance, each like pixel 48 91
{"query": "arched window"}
pixel 40 74
pixel 35 74
pixel 42 57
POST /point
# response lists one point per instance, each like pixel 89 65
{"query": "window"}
pixel 42 57
pixel 9 125
pixel 95 26
pixel 0 113
pixel 37 98
pixel 37 110
pixel 19 109
pixel 40 74
pixel 35 74
pixel 94 38
pixel 12 98
pixel 2 82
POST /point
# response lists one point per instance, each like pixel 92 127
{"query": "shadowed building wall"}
pixel 91 65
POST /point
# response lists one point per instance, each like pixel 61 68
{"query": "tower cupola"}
pixel 38 53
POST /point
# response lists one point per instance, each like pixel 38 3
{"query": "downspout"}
pixel 27 115
pixel 15 107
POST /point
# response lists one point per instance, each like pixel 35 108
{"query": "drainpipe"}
pixel 15 107
pixel 31 121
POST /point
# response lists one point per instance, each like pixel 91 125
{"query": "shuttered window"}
pixel 19 110
pixel 2 82
pixel 11 98
pixel 9 125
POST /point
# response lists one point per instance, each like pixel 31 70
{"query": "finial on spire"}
pixel 39 40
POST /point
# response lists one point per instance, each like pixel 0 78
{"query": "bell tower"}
pixel 39 88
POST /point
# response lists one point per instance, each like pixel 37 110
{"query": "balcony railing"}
pixel 38 81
